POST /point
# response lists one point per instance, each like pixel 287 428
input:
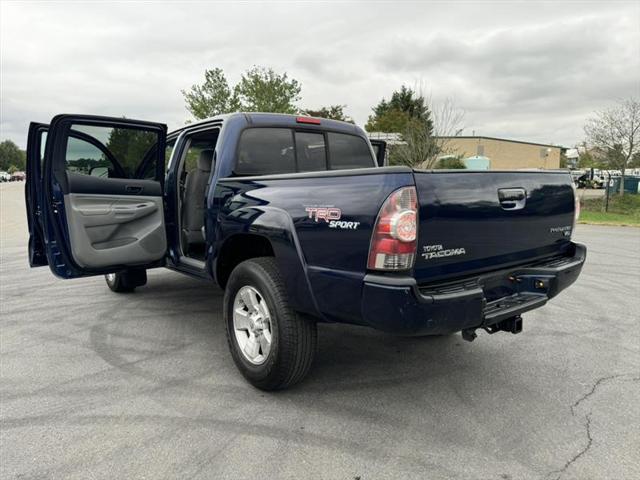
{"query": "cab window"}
pixel 311 152
pixel 265 151
pixel 348 151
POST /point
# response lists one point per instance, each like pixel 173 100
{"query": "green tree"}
pixel 425 140
pixel 211 98
pixel 334 112
pixel 395 121
pixel 418 149
pixel 260 89
pixel 11 155
pixel 405 107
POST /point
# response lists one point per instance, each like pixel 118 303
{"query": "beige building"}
pixel 503 154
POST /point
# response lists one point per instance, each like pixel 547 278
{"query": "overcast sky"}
pixel 522 70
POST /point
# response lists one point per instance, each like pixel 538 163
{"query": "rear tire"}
pixel 126 281
pixel 272 345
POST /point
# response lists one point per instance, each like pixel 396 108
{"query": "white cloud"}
pixel 527 71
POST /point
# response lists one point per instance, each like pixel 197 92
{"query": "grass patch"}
pixel 622 210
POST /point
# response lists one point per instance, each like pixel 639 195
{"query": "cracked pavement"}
pixel 99 385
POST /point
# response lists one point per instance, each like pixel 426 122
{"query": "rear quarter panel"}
pixel 334 260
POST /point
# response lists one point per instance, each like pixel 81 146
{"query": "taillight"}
pixel 394 239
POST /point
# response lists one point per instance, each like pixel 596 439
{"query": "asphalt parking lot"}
pixel 100 385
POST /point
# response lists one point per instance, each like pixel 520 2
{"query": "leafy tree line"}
pixel 261 89
pixel 12 158
pixel 613 138
pixel 594 157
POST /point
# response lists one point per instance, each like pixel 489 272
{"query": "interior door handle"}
pixel 133 188
pixel 131 212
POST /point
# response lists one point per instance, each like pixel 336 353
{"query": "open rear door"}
pixel 102 195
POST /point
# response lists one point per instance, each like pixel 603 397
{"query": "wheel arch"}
pixel 238 248
pixel 271 233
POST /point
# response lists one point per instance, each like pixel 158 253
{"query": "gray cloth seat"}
pixel 194 202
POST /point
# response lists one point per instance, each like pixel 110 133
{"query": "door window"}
pixel 87 159
pixel 112 152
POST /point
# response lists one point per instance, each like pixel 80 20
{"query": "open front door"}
pixel 32 190
pixel 102 195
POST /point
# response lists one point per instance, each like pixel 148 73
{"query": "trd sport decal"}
pixel 330 215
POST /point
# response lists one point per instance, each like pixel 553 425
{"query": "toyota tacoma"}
pixel 299 222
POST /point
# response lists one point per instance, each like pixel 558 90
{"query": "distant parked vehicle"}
pixel 592 178
pixel 17 177
pixel 4 176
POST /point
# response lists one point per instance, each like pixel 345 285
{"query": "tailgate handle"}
pixel 512 198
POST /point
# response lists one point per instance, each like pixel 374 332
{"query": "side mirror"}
pixel 102 172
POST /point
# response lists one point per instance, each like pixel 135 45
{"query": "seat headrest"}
pixel 204 160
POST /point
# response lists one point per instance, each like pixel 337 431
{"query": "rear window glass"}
pixel 265 151
pixel 311 152
pixel 348 151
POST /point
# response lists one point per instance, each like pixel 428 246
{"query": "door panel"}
pixel 100 215
pixel 115 229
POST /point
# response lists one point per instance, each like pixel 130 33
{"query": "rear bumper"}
pixel 400 306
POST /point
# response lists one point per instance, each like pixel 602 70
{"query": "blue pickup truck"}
pixel 296 219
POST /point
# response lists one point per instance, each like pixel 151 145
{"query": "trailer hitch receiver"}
pixel 512 325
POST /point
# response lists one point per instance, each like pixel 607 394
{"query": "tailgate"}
pixel 479 221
